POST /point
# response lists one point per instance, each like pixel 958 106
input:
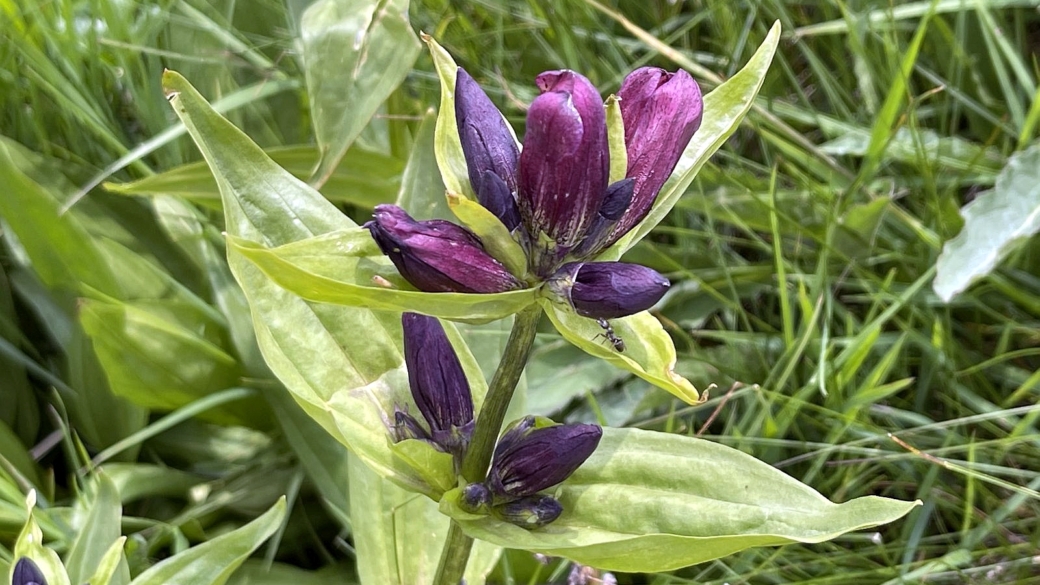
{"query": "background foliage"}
pixel 802 256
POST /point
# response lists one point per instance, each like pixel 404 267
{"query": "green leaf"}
pixel 213 562
pixel 649 352
pixel 112 560
pixel 153 357
pixel 650 502
pixel 724 108
pixel 448 146
pixel 61 251
pixel 616 140
pixel 994 224
pixel 343 267
pixel 422 190
pixel 343 365
pixel 364 178
pixel 492 233
pixel 96 521
pixel 355 53
pixel 399 534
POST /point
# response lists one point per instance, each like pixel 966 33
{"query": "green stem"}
pixel 499 394
pixel 454 557
pixel 457 545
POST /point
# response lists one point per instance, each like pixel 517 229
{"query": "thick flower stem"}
pixel 457 545
pixel 499 394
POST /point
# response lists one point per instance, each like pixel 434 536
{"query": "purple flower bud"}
pixel 661 112
pixel 617 200
pixel 534 459
pixel 491 154
pixel 437 255
pixel 475 498
pixel 27 573
pixel 564 164
pixel 608 290
pixel 530 512
pixel 438 383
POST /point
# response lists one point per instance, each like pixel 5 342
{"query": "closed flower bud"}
pixel 27 573
pixel 491 154
pixel 406 427
pixel 530 512
pixel 661 112
pixel 475 498
pixel 565 162
pixel 437 255
pixel 438 383
pixel 608 290
pixel 533 459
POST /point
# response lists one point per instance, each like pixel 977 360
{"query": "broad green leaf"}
pixel 649 352
pixel 650 502
pixel 355 53
pixel 135 481
pixel 30 544
pixel 62 252
pixel 112 561
pixel 616 140
pixel 154 359
pixel 724 108
pixel 346 268
pixel 213 562
pixel 364 178
pixel 343 365
pixel 422 190
pixel 994 224
pixel 96 521
pixel 491 231
pixel 399 534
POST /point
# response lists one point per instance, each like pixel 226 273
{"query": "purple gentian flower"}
pixel 553 195
pixel 438 385
pixel 437 255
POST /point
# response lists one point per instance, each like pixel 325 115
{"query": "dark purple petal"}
pixel 530 512
pixel 437 255
pixel 435 376
pixel 661 111
pixel 489 148
pixel 27 573
pixel 564 164
pixel 608 290
pixel 540 459
pixel 619 196
pixel 499 200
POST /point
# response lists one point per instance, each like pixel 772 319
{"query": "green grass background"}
pixel 801 257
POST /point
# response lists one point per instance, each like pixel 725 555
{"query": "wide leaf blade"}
pixel 213 562
pixel 649 351
pixel 650 502
pixel 993 224
pixel 355 53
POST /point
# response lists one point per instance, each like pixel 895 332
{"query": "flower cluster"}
pixel 532 454
pixel 554 197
